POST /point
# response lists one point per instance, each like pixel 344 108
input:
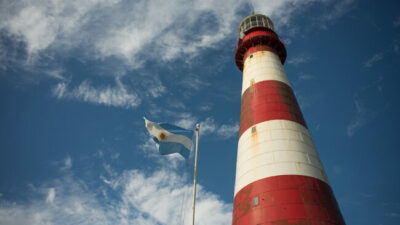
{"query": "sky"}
pixel 77 77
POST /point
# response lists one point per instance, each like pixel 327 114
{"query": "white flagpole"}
pixel 195 171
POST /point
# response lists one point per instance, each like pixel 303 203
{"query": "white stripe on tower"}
pixel 280 147
pixel 273 147
pixel 279 176
pixel 263 65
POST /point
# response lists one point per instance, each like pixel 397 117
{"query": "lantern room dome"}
pixel 255 20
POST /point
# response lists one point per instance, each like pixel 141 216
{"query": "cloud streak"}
pixel 109 28
pixel 142 199
pixel 396 23
pixel 106 29
pixel 67 163
pixel 209 126
pixel 299 60
pixel 117 96
pixel 374 59
pixel 366 105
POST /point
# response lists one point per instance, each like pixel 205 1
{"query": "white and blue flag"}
pixel 170 138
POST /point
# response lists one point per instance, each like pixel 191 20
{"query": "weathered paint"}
pixel 259 36
pixel 268 100
pixel 260 66
pixel 279 176
pixel 276 147
pixel 284 200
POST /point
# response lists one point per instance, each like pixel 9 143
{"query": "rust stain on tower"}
pixel 279 177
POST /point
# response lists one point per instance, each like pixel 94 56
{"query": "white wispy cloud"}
pixel 51 195
pixel 222 131
pixel 338 9
pixel 280 11
pixel 396 22
pixel 299 60
pixel 209 126
pixel 193 82
pixel 366 109
pixel 304 77
pixel 110 28
pixel 140 30
pixel 360 119
pixel 56 73
pixel 153 87
pixel 396 46
pixel 150 149
pixel 125 33
pixel 186 120
pixel 338 169
pixel 67 163
pixel 141 198
pixel 392 214
pixel 228 130
pixel 117 96
pixel 205 107
pixel 371 61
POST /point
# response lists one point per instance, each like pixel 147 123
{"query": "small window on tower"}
pixel 254 129
pixel 255 201
pixel 251 56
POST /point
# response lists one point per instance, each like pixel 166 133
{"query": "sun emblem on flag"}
pixel 162 136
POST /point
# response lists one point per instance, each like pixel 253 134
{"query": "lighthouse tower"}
pixel 279 176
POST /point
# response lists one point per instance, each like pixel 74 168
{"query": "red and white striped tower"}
pixel 279 176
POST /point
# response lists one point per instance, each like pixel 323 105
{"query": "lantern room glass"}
pixel 256 20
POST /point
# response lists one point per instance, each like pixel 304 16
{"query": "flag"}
pixel 170 138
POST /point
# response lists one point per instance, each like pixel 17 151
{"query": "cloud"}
pixel 56 73
pixel 396 46
pixel 228 130
pixel 366 105
pixel 153 87
pixel 280 11
pixel 117 96
pixel 193 82
pixel 396 23
pixel 371 61
pixel 338 169
pixel 299 60
pixel 150 149
pixel 362 117
pixel 205 107
pixel 392 214
pixel 208 126
pixel 142 198
pixel 317 127
pixel 221 131
pixel 338 9
pixel 67 163
pixel 138 31
pixel 51 195
pixel 186 120
pixel 109 28
pixel 304 77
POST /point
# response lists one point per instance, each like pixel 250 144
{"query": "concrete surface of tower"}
pixel 279 176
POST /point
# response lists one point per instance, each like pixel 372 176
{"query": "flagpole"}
pixel 195 171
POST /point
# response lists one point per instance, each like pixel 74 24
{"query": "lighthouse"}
pixel 279 176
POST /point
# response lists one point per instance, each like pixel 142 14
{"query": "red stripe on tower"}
pixel 279 176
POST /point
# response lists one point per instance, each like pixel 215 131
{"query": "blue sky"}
pixel 77 77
